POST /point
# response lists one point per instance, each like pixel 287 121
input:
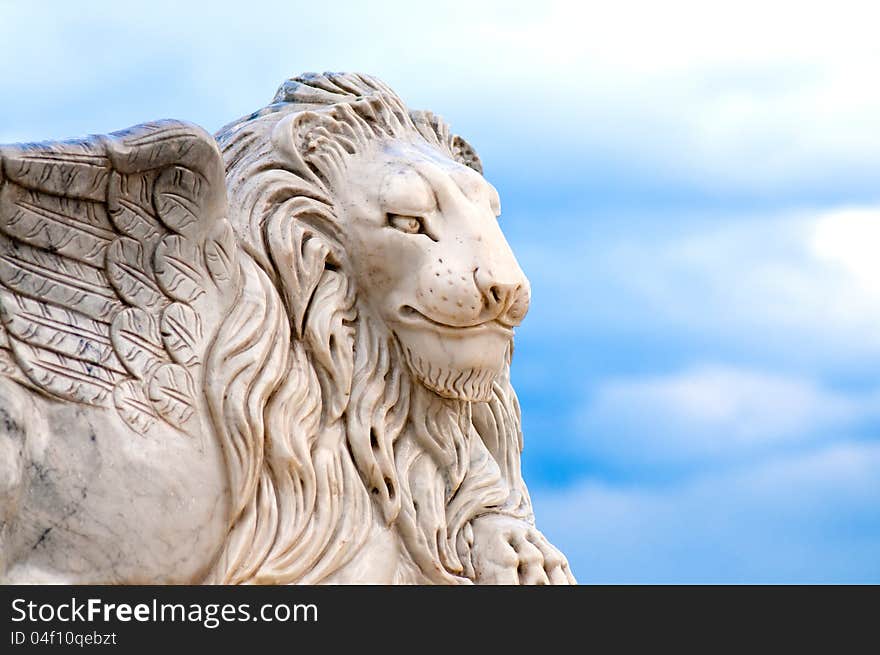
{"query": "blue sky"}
pixel 692 190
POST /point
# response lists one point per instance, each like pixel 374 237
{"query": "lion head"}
pixel 371 343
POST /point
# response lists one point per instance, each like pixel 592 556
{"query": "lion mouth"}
pixel 413 316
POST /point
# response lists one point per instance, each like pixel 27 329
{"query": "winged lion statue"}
pixel 279 354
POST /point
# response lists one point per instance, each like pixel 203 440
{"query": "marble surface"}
pixel 275 355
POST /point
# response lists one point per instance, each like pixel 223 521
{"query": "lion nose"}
pixel 506 301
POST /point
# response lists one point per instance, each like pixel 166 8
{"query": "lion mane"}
pixel 325 432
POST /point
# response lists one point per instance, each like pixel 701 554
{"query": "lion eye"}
pixel 408 224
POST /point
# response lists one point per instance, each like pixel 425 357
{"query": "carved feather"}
pixel 181 329
pixel 135 336
pixel 79 229
pixel 177 270
pixel 66 377
pixel 130 272
pixel 172 394
pixel 220 256
pixel 129 204
pixel 62 281
pixel 63 331
pixel 179 197
pixel 75 169
pixel 134 406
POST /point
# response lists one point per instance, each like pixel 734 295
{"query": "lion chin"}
pixel 455 363
pixel 469 384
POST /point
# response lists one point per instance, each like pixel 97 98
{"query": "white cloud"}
pixel 795 289
pixel 724 402
pixel 849 239
pixel 782 279
pixel 809 517
pixel 750 96
pixel 712 413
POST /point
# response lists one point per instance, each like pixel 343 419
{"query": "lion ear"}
pixel 433 128
pixel 465 154
pixel 297 136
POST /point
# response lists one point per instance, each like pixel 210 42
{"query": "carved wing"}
pixel 115 257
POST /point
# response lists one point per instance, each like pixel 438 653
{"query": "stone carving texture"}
pixel 280 355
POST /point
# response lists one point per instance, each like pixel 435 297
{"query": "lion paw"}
pixel 512 552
